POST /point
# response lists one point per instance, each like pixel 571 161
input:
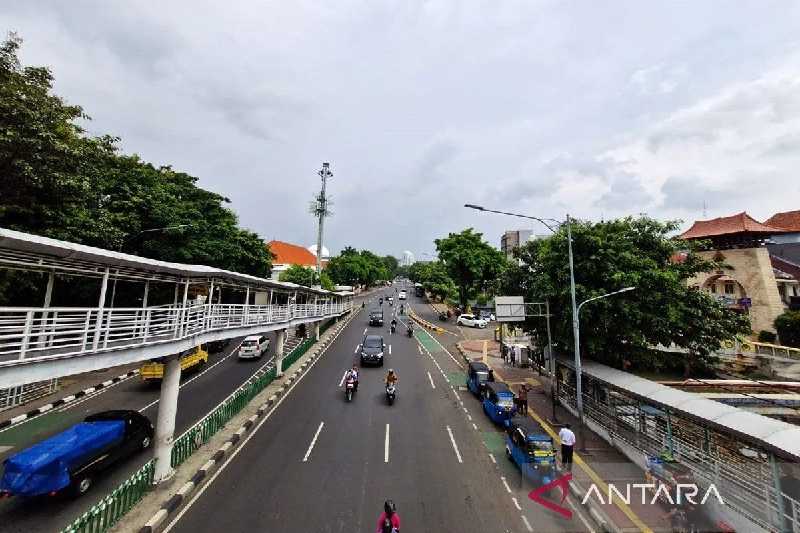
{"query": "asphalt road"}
pixel 201 391
pixel 321 464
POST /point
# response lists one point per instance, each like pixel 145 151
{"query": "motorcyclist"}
pixel 394 324
pixel 391 378
pixel 410 329
pixel 380 301
pixel 352 374
pixel 402 309
pixel 389 521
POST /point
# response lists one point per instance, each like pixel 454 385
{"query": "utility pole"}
pixel 321 211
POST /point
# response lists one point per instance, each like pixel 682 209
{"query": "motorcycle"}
pixel 392 328
pixel 410 332
pixel 443 317
pixel 349 388
pixel 390 393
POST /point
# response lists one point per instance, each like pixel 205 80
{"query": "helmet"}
pixel 389 507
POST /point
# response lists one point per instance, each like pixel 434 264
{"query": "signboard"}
pixel 509 308
pixel 745 302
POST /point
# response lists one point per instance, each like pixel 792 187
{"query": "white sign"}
pixel 509 308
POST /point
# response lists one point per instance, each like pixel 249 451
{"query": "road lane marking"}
pixel 516 503
pixel 313 442
pixel 465 409
pixel 469 417
pixel 474 426
pixel 455 446
pixel 431 379
pixel 386 446
pixel 491 456
pixel 527 524
pixel 580 515
pixel 365 331
pixel 505 484
pixel 356 350
pixel 342 382
pixel 248 436
pixel 182 385
pixel 390 349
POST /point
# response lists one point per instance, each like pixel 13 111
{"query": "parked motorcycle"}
pixel 390 393
pixel 349 389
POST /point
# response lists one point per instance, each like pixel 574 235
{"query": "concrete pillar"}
pixel 280 339
pixel 165 424
pixel 101 305
pixel 316 329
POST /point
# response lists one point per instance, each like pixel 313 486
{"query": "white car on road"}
pixel 253 347
pixel 470 320
pixel 401 295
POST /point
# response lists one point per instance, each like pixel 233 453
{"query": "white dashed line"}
pixel 356 350
pixel 491 456
pixel 474 426
pixel 419 349
pixel 313 442
pixel 386 446
pixel 390 349
pixel 431 380
pixel 516 503
pixel 469 417
pixel 365 331
pixel 505 484
pixel 455 446
pixel 342 382
pixel 527 524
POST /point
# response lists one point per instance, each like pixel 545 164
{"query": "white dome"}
pixel 325 252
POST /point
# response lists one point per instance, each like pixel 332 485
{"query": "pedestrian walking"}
pixel 567 438
pixel 522 400
pixel 513 355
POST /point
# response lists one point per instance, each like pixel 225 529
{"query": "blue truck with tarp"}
pixel 71 460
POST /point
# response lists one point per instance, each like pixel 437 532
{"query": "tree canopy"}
pixel 307 277
pixel 355 268
pixel 434 279
pixel 57 181
pixel 471 262
pixel 611 255
pixel 788 327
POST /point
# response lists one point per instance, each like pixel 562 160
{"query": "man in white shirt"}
pixel 567 438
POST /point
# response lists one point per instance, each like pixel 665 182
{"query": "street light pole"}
pixel 575 327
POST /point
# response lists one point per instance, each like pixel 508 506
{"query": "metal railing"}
pixel 27 333
pixel 745 484
pixel 102 516
pixel 110 509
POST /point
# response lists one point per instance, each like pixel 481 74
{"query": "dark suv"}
pixel 372 350
pixel 376 318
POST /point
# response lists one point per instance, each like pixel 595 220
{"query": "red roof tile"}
pixel 291 254
pixel 740 223
pixel 788 220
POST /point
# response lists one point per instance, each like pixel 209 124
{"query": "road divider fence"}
pixel 103 515
pixel 424 323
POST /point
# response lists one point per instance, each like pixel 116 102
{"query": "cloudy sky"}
pixel 599 109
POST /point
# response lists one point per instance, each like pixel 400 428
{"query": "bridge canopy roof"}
pixel 34 252
pixel 783 438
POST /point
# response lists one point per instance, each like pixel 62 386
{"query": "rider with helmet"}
pixel 391 378
pixel 389 521
pixel 352 374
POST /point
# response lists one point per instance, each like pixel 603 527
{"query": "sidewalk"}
pixel 599 463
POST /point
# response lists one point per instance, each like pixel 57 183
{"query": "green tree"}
pixel 392 265
pixel 362 268
pixel 299 274
pixel 58 182
pixel 620 253
pixel 307 277
pixel 471 262
pixel 788 328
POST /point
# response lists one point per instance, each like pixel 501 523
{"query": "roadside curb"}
pixel 66 399
pixel 598 515
pixel 171 505
pixel 424 323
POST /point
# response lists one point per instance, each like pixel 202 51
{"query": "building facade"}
pixel 754 283
pixel 513 239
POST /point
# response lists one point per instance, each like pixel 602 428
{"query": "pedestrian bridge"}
pixel 178 306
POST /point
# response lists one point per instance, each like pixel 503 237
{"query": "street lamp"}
pixel 575 326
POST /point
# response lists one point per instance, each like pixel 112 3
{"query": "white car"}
pixel 253 347
pixel 470 320
pixel 401 295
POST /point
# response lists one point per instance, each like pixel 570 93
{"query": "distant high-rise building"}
pixel 408 259
pixel 512 239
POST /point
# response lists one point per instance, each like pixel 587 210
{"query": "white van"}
pixel 253 347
